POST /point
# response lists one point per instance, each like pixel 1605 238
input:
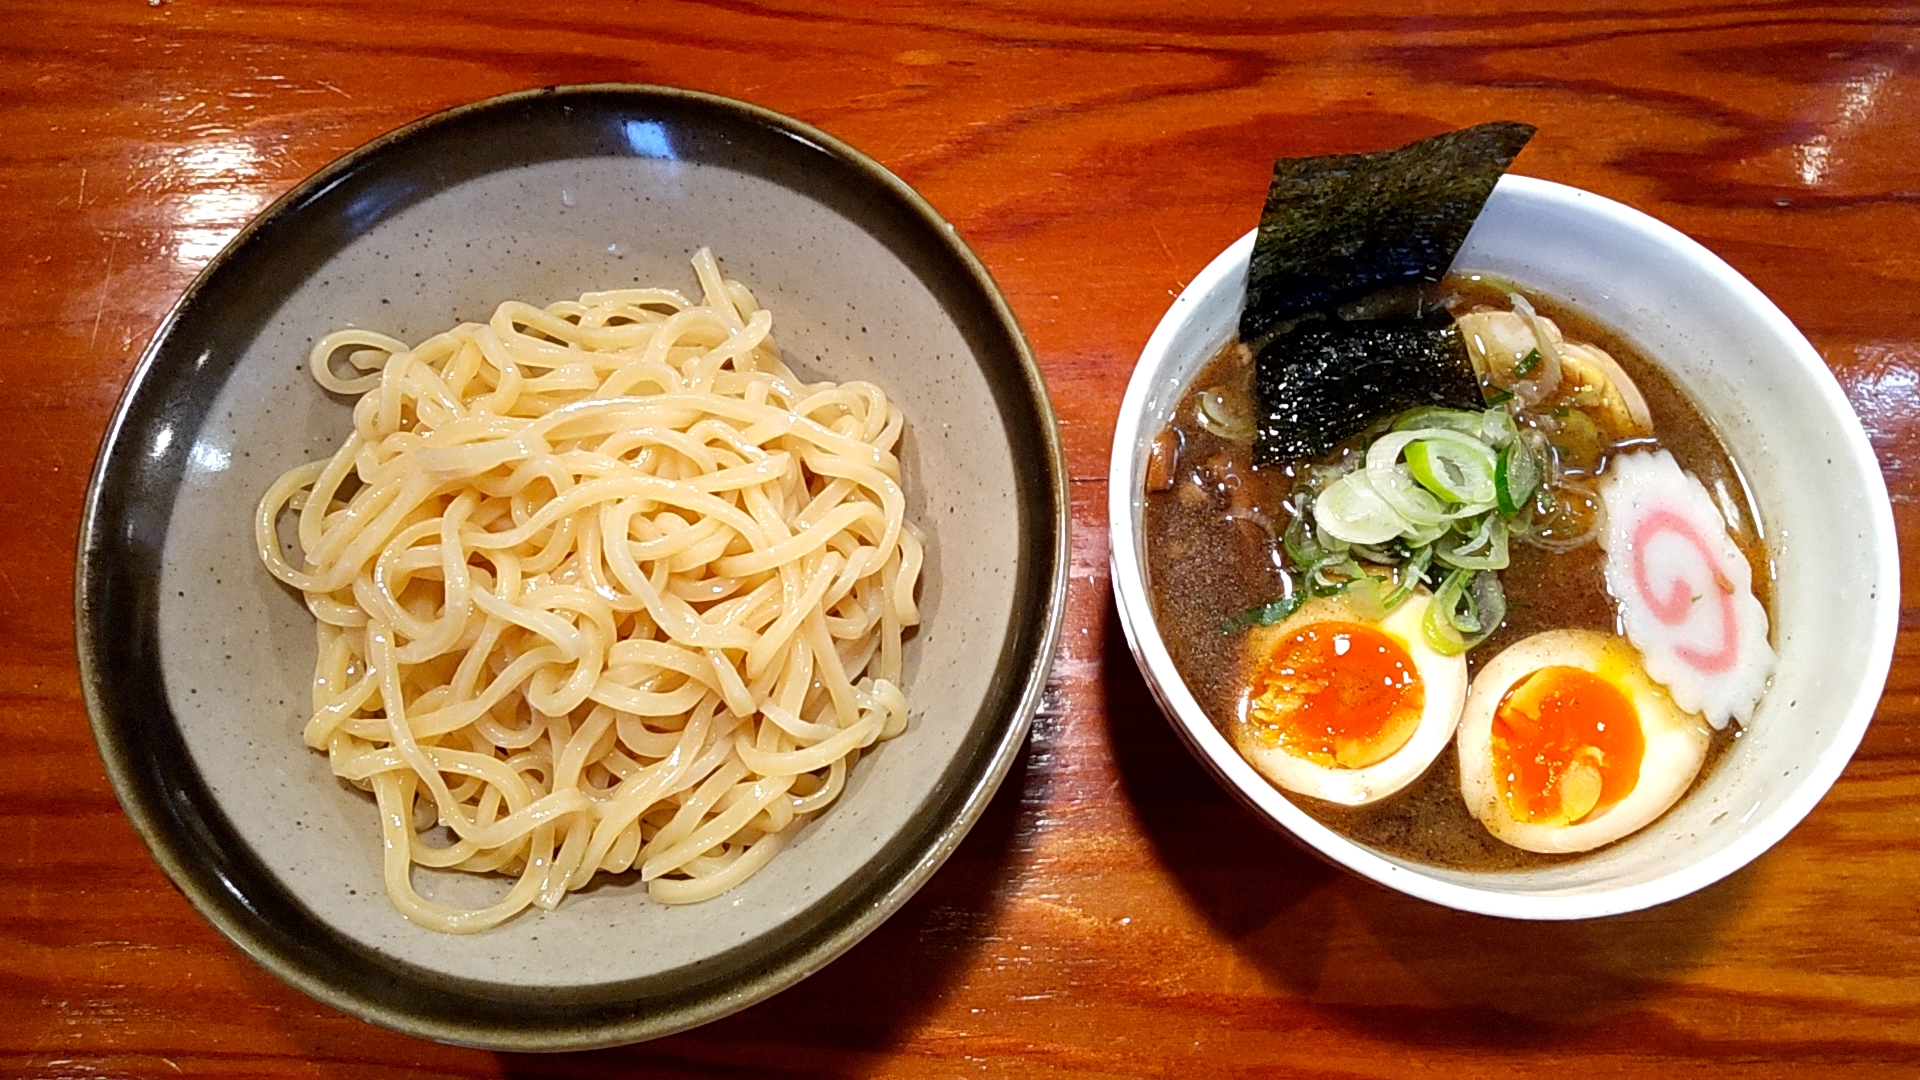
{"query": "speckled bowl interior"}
pixel 1815 485
pixel 198 664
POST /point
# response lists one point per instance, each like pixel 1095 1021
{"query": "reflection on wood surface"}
pixel 1116 913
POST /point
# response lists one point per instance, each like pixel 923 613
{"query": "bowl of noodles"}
pixel 572 567
pixel 1713 357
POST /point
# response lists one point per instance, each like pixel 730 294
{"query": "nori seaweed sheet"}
pixel 1341 228
pixel 1338 227
pixel 1329 379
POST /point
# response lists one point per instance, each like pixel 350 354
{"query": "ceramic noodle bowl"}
pixel 198 666
pixel 1815 485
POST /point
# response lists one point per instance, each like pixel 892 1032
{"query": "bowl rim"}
pixel 1189 720
pixel 186 831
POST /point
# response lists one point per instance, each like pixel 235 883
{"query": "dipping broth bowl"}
pixel 1815 485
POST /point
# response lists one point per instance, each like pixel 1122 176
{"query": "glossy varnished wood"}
pixel 1115 914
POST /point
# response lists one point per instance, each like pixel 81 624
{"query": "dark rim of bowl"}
pixel 138 471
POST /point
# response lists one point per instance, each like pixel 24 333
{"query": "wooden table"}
pixel 1115 913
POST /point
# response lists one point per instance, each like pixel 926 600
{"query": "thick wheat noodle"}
pixel 599 587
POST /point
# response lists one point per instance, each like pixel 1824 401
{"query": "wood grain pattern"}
pixel 1115 914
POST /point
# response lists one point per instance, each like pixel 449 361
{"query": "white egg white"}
pixel 1443 679
pixel 1676 741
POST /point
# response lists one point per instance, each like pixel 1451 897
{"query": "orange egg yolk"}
pixel 1566 743
pixel 1336 693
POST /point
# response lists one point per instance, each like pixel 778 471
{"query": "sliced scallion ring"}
pixel 1465 610
pixel 1303 549
pixel 1414 503
pixel 1436 498
pixel 1490 603
pixel 1351 510
pixel 1332 576
pixel 1385 450
pixel 1419 536
pixel 1485 549
pixel 1497 427
pixel 1437 416
pixel 1439 628
pixel 1455 467
pixel 1366 596
pixel 1515 477
pixel 1408 577
pixel 1269 613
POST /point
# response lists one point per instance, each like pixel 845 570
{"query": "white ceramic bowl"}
pixel 1816 486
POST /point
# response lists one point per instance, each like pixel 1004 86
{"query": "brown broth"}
pixel 1204 567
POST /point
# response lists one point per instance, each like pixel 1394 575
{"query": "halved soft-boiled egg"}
pixel 1566 744
pixel 1343 708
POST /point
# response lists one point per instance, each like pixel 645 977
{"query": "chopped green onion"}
pixel 1351 510
pixel 1515 477
pixel 1424 535
pixel 1484 549
pixel 1466 608
pixel 1414 503
pixel 1497 427
pixel 1456 468
pixel 1527 363
pixel 1378 554
pixel 1266 614
pixel 1439 628
pixel 1434 500
pixel 1367 597
pixel 1438 416
pixel 1491 601
pixel 1408 576
pixel 1322 582
pixel 1298 540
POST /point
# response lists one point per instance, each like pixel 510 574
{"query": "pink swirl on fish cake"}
pixel 1682 588
pixel 1677 606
